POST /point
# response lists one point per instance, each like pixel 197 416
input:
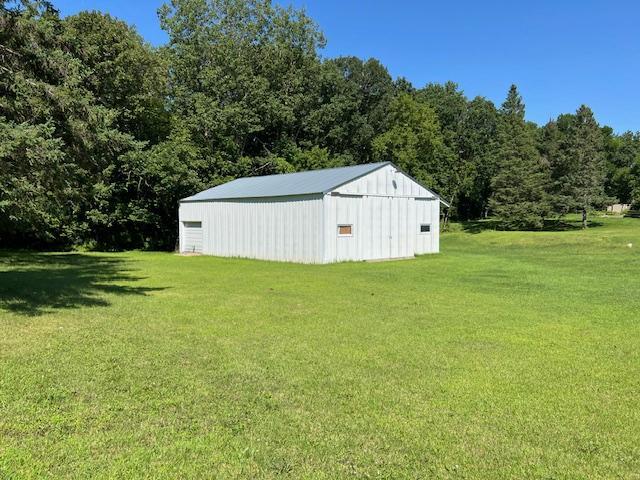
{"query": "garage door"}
pixel 192 237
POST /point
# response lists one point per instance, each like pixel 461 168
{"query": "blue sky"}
pixel 560 53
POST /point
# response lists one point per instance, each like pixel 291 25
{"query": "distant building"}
pixel 618 208
pixel 361 212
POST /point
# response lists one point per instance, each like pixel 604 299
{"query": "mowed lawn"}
pixel 509 355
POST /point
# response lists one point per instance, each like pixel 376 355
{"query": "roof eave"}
pixel 202 200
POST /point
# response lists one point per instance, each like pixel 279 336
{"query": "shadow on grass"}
pixel 478 226
pixel 33 283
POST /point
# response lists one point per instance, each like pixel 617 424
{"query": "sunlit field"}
pixel 509 355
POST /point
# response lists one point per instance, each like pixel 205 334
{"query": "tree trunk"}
pixel 447 213
pixel 584 218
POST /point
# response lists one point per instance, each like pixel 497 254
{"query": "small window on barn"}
pixel 345 230
pixel 425 228
pixel 193 224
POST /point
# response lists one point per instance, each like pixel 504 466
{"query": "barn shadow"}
pixel 34 283
pixel 479 226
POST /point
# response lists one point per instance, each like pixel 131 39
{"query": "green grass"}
pixel 510 355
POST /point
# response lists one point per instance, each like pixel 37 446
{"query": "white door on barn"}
pixel 192 235
pixel 373 227
pixel 400 228
pixel 386 227
pixel 376 234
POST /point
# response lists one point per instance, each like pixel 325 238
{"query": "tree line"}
pixel 101 134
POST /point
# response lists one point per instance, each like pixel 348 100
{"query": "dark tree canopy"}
pixel 101 134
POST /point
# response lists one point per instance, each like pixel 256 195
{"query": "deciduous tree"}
pixel 414 142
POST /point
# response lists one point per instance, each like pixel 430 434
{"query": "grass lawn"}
pixel 510 355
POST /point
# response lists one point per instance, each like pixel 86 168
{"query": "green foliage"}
pixel 414 142
pixel 86 83
pixel 477 143
pixel 470 133
pixel 576 154
pixel 124 73
pixel 635 185
pixel 450 105
pixel 48 129
pixel 240 73
pixel 316 158
pixel 36 196
pixel 102 134
pixel 518 199
pixel 138 203
pixel 622 153
pixel 353 107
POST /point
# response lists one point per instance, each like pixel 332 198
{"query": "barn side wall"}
pixel 276 228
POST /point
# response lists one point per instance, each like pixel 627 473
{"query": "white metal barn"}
pixel 362 212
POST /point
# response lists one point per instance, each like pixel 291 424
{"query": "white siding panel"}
pixel 383 227
pixel 283 228
pixel 427 212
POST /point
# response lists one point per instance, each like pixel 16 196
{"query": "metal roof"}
pixel 299 183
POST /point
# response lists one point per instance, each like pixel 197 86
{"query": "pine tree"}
pixel 579 169
pixel 519 199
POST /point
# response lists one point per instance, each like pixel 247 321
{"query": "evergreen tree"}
pixel 519 199
pixel 551 140
pixel 36 187
pixel 578 171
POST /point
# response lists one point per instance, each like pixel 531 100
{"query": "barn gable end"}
pixel 387 180
pixel 389 214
